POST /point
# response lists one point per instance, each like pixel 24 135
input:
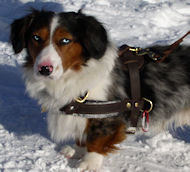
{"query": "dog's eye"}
pixel 64 41
pixel 37 38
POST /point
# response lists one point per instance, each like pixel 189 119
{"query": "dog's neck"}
pixel 93 77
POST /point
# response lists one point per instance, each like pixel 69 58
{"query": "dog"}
pixel 70 53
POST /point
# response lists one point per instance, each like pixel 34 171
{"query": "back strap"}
pixel 171 48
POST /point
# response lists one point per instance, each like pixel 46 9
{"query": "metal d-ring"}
pixel 151 105
pixel 82 100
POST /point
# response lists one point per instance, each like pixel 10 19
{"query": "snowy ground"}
pixel 24 141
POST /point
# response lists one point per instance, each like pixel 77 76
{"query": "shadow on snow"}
pixel 18 113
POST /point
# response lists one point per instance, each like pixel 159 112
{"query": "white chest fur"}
pixel 62 127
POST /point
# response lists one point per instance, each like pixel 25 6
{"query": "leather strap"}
pixel 100 109
pixel 133 62
pixel 135 91
pixel 171 48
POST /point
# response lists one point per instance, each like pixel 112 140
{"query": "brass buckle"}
pixel 142 52
pixel 151 105
pixel 135 49
pixel 82 100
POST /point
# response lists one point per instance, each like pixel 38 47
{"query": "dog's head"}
pixel 58 42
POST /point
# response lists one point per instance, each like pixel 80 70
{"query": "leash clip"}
pixel 145 121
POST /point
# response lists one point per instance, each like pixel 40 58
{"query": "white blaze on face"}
pixel 50 56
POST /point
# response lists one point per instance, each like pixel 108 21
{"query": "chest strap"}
pixel 100 109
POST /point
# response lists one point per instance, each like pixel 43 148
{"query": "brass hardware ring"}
pixel 151 105
pixel 82 100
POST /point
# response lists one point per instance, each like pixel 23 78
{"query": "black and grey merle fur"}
pixel 166 84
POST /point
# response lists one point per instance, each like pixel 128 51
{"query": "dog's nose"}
pixel 45 70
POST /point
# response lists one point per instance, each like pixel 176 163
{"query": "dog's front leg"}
pixel 101 140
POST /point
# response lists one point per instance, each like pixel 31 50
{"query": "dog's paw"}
pixel 68 151
pixel 92 161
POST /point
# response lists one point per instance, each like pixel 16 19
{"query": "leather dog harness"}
pixel 133 60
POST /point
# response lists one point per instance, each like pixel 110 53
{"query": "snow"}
pixel 24 142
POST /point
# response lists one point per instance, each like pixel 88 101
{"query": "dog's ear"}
pixel 94 38
pixel 18 32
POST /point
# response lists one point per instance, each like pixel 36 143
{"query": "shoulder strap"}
pixel 133 62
